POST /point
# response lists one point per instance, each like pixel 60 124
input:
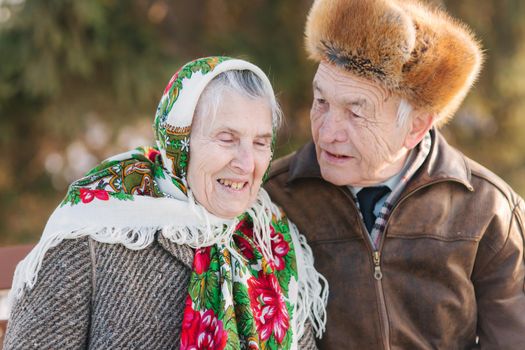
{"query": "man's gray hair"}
pixel 244 82
pixel 404 110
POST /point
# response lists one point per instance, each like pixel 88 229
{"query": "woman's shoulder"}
pixel 58 303
pixel 87 247
pixel 69 254
pixel 159 250
pixel 64 267
pixel 45 268
pixel 75 262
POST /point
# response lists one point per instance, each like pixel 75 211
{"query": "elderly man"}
pixel 422 247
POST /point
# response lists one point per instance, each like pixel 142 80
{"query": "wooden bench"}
pixel 9 258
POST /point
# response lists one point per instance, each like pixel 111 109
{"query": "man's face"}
pixel 357 136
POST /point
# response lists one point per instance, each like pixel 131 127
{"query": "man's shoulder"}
pixel 300 164
pixel 484 183
pixel 484 178
pixel 281 166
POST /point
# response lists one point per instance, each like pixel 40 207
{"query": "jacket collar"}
pixel 444 163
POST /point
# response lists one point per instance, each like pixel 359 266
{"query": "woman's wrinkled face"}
pixel 229 154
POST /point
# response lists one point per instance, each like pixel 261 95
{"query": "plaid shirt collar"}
pixel 392 182
pixel 443 163
pixel 397 184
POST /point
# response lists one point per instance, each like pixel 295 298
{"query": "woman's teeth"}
pixel 232 184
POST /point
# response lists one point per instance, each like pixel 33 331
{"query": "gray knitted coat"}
pixel 91 295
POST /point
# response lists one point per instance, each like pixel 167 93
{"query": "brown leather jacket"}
pixel 451 262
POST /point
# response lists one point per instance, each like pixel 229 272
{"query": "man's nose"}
pixel 332 128
pixel 243 160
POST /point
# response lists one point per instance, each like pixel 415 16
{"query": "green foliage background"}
pixel 80 80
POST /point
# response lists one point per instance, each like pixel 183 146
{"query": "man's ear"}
pixel 419 125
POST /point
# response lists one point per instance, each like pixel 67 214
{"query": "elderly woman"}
pixel 161 248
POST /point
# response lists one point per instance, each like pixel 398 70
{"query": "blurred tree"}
pixel 79 81
pixel 63 61
pixel 490 127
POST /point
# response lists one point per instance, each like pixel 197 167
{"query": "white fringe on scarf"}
pixel 135 223
pixel 313 288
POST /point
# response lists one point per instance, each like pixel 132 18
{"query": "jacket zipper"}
pixel 376 259
pixel 378 276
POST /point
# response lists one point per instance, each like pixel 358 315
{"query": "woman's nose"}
pixel 332 129
pixel 243 160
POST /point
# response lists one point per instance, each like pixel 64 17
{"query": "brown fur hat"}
pixel 416 51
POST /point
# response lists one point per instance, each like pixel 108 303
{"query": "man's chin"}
pixel 335 177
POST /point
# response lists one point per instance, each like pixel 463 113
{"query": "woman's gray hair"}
pixel 244 82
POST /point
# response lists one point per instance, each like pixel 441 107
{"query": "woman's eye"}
pixel 263 143
pixel 225 138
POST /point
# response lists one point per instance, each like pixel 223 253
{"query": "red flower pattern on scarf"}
pixel 201 261
pixel 268 307
pixel 279 248
pixel 201 330
pixel 246 228
pixel 152 154
pixel 244 246
pixel 88 195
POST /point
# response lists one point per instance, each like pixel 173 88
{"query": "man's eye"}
pixel 320 101
pixel 355 115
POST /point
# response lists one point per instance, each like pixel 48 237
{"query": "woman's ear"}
pixel 419 125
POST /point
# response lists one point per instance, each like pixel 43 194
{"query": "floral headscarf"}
pixel 253 284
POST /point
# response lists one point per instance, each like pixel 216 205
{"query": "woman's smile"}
pixel 234 185
pixel 229 154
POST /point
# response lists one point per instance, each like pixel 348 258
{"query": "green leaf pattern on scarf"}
pixel 249 311
pixel 119 179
